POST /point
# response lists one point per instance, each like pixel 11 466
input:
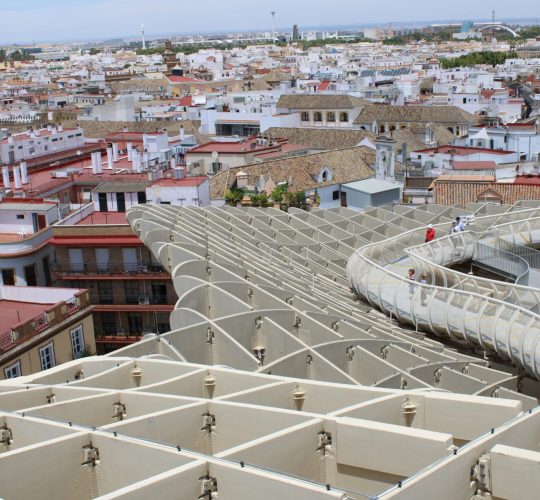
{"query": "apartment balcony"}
pixel 50 318
pixel 136 299
pixel 118 270
pixel 113 342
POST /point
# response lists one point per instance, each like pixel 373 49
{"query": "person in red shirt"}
pixel 430 233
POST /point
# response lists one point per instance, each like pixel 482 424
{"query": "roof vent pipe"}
pixel 17 177
pixel 24 173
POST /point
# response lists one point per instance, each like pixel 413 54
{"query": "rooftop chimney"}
pixel 115 152
pixel 96 163
pixel 24 173
pixel 110 157
pixel 136 161
pixel 17 177
pixel 5 177
pixel 385 158
pixel 129 151
pixel 182 133
pixel 60 127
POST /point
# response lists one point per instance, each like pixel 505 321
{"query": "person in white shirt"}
pixel 412 277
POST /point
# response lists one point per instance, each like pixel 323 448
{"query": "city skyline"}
pixel 98 19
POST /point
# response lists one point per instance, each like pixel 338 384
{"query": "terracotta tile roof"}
pixel 330 138
pixel 321 138
pixel 320 101
pixel 408 114
pixel 100 129
pixel 299 172
pixel 464 151
pixel 474 165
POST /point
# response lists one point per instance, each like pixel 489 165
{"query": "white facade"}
pixel 130 199
pixel 25 220
pixel 33 144
pixel 182 194
pixel 525 140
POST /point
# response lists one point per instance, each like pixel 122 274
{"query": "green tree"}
pixel 297 199
pixel 233 196
pixel 278 192
pixel 475 58
pixel 529 32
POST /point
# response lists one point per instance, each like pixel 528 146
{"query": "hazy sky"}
pixel 27 20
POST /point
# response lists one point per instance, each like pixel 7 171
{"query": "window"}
pixel 20 216
pixel 13 370
pixel 132 291
pixel 105 292
pixel 8 277
pixel 344 117
pixel 108 323
pixel 305 116
pixel 30 275
pixel 317 117
pixel 76 262
pixel 331 117
pixel 162 323
pixel 135 323
pixel 335 195
pixel 159 293
pixel 46 356
pixel 46 270
pixel 77 342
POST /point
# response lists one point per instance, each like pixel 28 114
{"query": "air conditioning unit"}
pixel 144 301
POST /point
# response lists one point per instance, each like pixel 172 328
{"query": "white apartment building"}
pixel 34 143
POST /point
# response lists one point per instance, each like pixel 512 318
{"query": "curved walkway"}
pixel 500 318
pixel 267 291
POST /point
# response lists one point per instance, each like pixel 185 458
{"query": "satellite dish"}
pixel 215 155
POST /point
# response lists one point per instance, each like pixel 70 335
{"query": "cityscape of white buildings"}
pixel 217 186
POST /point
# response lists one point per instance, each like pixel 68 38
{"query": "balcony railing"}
pixel 140 299
pixel 9 339
pixel 110 268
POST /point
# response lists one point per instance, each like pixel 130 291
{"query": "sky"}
pixel 38 20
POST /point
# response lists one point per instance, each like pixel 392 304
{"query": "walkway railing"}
pixel 500 318
pixel 501 262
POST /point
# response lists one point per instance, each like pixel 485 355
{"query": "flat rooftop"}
pixel 13 312
pixel 19 304
pixel 103 218
pixel 43 181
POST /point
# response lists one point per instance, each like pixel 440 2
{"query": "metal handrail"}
pixel 502 262
pixel 373 280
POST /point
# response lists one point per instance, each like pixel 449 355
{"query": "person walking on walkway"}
pixel 412 277
pixel 423 290
pixel 430 233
